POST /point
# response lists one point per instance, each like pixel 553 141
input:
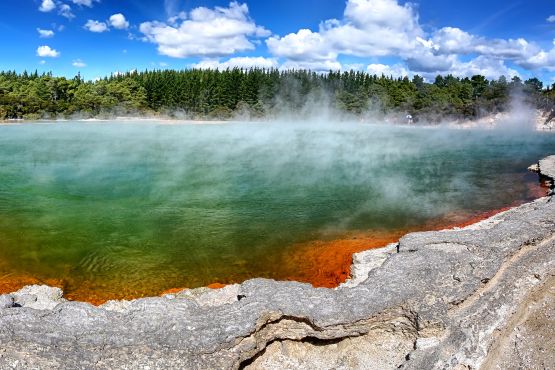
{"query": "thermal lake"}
pixel 125 210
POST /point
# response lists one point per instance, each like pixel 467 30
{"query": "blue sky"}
pixel 395 37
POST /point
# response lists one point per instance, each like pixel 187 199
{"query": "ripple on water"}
pixel 123 211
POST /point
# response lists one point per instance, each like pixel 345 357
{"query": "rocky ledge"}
pixel 478 297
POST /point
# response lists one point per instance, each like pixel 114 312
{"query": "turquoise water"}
pixel 143 207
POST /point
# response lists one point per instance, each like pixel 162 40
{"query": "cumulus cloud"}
pixel 551 19
pixel 78 63
pixel 317 66
pixel 47 52
pixel 45 33
pixel 378 28
pixel 542 59
pixel 268 63
pixel 396 70
pixel 116 21
pixel 174 20
pixel 119 22
pixel 374 27
pixel 205 32
pixel 483 65
pixel 450 40
pixel 65 11
pixel 425 61
pixel 454 42
pixel 96 26
pixel 47 6
pixel 303 45
pixel 489 67
pixel 88 3
pixel 239 62
pixel 368 28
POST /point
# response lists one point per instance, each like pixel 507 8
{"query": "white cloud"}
pixel 449 40
pixel 317 66
pixel 353 67
pixel 65 11
pixel 240 62
pixel 368 28
pixel 551 19
pixel 96 26
pixel 78 63
pixel 119 22
pixel 47 52
pixel 47 6
pixel 303 45
pixel 396 70
pixel 181 16
pixel 482 65
pixel 206 32
pixel 88 3
pixel 489 67
pixel 42 62
pixel 376 28
pixel 453 41
pixel 542 59
pixel 45 33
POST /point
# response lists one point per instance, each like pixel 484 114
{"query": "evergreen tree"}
pixel 258 92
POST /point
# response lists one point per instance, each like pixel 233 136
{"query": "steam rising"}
pixel 291 103
pixel 520 117
pixel 187 205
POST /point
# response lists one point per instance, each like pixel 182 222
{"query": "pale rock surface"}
pixel 6 301
pixel 39 297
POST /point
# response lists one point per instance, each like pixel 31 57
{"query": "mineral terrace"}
pixel 478 297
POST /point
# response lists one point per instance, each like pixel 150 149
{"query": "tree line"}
pixel 259 93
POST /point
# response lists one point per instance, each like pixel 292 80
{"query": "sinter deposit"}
pixel 477 297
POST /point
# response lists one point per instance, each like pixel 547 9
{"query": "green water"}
pixel 145 207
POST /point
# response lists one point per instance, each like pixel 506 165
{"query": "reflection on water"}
pixel 128 210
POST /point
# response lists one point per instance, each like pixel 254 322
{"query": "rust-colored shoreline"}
pixel 327 264
pixel 322 263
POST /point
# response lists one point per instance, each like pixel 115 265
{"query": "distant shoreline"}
pixel 539 118
pixel 115 119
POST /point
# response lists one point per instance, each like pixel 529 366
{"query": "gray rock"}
pixel 534 168
pixel 446 300
pixel 6 301
pixel 366 261
pixel 205 297
pixel 39 297
pixel 547 167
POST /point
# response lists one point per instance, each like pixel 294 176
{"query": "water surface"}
pixel 116 210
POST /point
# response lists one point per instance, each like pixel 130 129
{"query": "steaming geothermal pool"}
pixel 127 210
